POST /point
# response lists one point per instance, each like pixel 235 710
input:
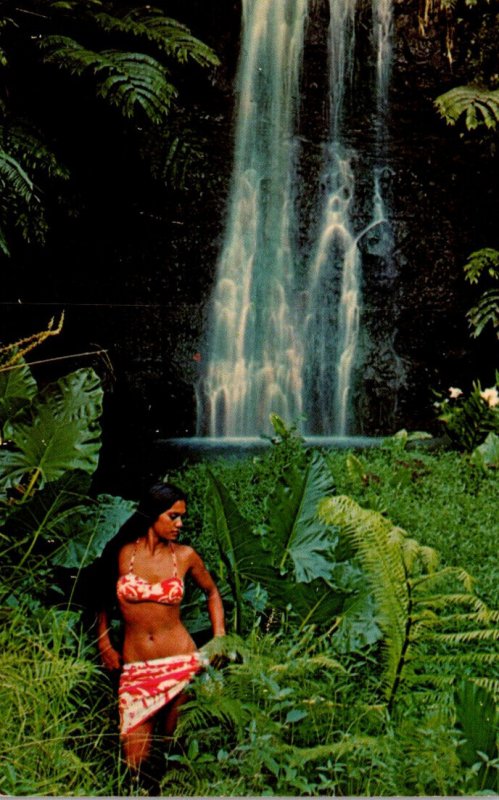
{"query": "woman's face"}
pixel 169 524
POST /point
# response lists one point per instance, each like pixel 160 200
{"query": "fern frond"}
pixel 308 664
pixel 29 149
pixel 410 613
pixel 484 617
pixel 378 543
pixel 14 179
pixel 490 684
pixel 485 260
pixel 4 247
pixel 485 311
pixel 410 553
pixel 197 713
pixel 345 746
pixel 441 681
pixel 171 37
pixel 486 635
pixel 484 659
pixel 446 600
pixel 423 582
pixel 479 106
pixel 131 82
pixel 175 159
pixel 429 558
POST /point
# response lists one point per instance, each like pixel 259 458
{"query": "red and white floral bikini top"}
pixel 132 588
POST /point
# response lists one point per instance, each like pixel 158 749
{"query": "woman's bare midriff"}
pixel 153 630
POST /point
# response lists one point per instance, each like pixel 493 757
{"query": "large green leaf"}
pixel 314 602
pixel 17 388
pixel 77 396
pixel 96 526
pixel 51 514
pixel 311 603
pixel 60 433
pixel 297 534
pixel 357 622
pixel 241 551
pixel 46 512
pixel 487 454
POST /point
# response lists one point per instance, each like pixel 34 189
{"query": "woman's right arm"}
pixel 111 659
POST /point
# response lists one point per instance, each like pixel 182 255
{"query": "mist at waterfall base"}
pixel 289 329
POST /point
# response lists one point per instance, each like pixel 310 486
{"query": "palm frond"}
pixel 484 312
pixel 130 82
pixel 4 247
pixel 175 159
pixel 27 146
pixel 479 106
pixel 14 180
pixel 482 262
pixel 170 36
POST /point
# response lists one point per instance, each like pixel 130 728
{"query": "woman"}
pixel 158 655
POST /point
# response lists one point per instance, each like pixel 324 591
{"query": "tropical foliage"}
pixel 416 616
pixel 298 562
pixel 469 419
pixel 482 267
pixel 471 29
pixel 478 106
pixel 129 58
pixel 359 666
pixel 51 439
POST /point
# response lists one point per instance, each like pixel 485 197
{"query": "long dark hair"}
pixel 155 501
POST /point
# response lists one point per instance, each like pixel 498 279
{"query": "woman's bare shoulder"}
pixel 187 554
pixel 184 550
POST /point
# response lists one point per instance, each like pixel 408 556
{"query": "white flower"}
pixel 454 392
pixel 491 396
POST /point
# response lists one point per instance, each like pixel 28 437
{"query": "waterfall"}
pixel 255 351
pixel 285 324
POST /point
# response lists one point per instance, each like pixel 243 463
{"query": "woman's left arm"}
pixel 213 598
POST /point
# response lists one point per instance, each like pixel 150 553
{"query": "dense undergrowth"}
pixel 437 496
pixel 362 658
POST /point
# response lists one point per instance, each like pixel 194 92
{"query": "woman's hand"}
pixel 110 657
pixel 216 651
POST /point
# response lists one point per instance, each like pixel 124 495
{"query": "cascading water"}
pixel 283 339
pixel 255 358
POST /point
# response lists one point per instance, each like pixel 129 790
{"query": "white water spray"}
pixel 262 357
pixel 255 351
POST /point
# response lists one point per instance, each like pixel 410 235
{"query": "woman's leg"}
pixel 137 744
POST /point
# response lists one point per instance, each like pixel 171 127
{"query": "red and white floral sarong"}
pixel 147 686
